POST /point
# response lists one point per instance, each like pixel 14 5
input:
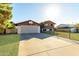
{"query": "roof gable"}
pixel 65 26
pixel 49 22
pixel 29 22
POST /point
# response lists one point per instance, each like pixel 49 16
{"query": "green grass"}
pixel 9 45
pixel 49 32
pixel 73 36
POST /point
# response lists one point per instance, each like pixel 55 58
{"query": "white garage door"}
pixel 28 29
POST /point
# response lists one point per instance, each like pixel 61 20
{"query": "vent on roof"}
pixel 30 22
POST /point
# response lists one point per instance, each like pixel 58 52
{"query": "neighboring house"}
pixel 47 26
pixel 66 28
pixel 8 31
pixel 28 27
pixel 13 31
pixel 63 27
pixel 73 30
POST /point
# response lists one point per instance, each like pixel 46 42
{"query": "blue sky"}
pixel 58 13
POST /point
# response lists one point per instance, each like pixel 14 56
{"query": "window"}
pixel 51 24
pixel 50 29
pixel 46 24
pixel 44 29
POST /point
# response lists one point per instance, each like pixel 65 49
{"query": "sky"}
pixel 60 13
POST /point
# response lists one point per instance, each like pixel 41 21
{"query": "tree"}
pixel 77 27
pixel 10 25
pixel 5 14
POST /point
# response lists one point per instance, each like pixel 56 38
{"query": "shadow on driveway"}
pixel 34 35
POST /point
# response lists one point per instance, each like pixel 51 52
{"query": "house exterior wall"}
pixel 73 30
pixel 28 29
pixel 47 29
pixel 47 26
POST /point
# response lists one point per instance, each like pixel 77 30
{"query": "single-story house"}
pixel 9 31
pixel 66 28
pixel 73 30
pixel 63 27
pixel 47 26
pixel 34 27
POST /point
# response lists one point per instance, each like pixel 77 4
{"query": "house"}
pixel 73 30
pixel 34 27
pixel 47 26
pixel 28 27
pixel 63 27
pixel 9 31
pixel 66 28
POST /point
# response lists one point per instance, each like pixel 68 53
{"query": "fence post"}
pixel 69 33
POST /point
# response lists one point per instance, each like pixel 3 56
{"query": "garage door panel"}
pixel 29 29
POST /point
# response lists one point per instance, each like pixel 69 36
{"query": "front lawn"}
pixel 73 36
pixel 9 44
pixel 49 32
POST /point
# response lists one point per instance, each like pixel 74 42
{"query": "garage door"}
pixel 28 29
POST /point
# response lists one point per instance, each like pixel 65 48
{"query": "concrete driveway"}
pixel 34 35
pixel 46 45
